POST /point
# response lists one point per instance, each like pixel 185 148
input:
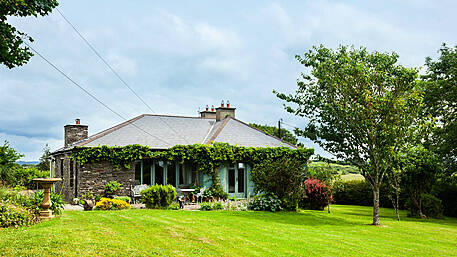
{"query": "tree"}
pixel 283 178
pixel 441 101
pixel 8 155
pixel 361 107
pixel 286 135
pixel 419 168
pixel 12 50
pixel 45 158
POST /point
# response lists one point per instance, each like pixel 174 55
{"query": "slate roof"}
pixel 163 131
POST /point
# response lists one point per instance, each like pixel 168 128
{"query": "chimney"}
pixel 222 112
pixel 75 133
pixel 207 113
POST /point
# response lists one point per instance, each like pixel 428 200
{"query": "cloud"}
pixel 179 57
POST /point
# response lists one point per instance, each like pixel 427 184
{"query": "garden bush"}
pixel 123 198
pixel 14 215
pixel 268 202
pixel 211 206
pixel 107 204
pixel 431 207
pixel 318 194
pixel 158 196
pixel 17 175
pixel 14 196
pixel 174 206
pixel 446 191
pixel 358 192
pixel 283 178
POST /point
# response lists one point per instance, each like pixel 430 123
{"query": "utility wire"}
pixel 116 74
pixel 282 122
pixel 88 93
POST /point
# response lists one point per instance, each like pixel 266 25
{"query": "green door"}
pixel 236 180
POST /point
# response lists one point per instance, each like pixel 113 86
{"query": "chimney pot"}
pixel 222 103
pixel 207 108
pixel 212 108
pixel 78 121
pixel 228 104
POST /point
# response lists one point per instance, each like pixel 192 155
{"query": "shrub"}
pixel 236 206
pixel 17 175
pixel 210 206
pixel 268 202
pixel 431 207
pixel 56 200
pixel 12 215
pixel 206 206
pixel 318 194
pixel 107 204
pixel 446 190
pixel 358 192
pixel 158 196
pixel 123 198
pixel 112 187
pixel 283 178
pixel 16 197
pixel 174 206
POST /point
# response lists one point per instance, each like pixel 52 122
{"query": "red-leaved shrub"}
pixel 318 193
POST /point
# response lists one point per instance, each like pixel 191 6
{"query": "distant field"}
pixel 338 168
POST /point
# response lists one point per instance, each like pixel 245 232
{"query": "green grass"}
pixel 344 232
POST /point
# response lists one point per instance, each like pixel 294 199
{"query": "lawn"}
pixel 160 232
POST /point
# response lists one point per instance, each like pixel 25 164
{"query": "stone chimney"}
pixel 224 111
pixel 207 113
pixel 75 133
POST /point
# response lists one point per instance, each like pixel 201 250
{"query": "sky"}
pixel 181 56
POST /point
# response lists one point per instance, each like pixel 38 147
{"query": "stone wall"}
pixel 78 180
pixel 94 176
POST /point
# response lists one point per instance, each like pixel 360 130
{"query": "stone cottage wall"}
pixel 93 177
pixel 79 180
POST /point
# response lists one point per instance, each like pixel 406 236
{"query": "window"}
pixel 171 174
pixel 61 168
pixel 241 179
pixel 71 174
pixel 159 172
pixel 147 167
pixel 138 173
pixel 231 179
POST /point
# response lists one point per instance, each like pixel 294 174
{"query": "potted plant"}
pixel 112 187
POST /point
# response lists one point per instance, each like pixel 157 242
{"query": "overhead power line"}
pixel 117 74
pixel 88 93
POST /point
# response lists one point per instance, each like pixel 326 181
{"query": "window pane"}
pixel 171 174
pixel 147 172
pixel 231 181
pixel 240 180
pixel 137 173
pixel 159 173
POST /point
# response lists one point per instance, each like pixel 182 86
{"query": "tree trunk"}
pixel 375 205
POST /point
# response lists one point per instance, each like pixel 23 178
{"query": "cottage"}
pixel 159 132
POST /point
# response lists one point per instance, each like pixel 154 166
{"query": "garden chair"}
pixel 136 191
pixel 200 194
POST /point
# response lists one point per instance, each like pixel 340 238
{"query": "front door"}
pixel 237 180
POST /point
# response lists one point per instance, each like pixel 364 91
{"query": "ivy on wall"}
pixel 206 157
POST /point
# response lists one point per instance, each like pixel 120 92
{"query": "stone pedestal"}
pixel 46 184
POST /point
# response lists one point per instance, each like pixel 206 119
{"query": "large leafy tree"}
pixel 286 135
pixel 441 101
pixel 12 50
pixel 361 107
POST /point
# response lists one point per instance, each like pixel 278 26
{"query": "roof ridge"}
pixel 264 132
pixel 218 131
pixel 176 116
pixel 107 131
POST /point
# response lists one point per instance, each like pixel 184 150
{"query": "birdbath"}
pixel 46 184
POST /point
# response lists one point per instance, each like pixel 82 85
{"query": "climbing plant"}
pixel 206 157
